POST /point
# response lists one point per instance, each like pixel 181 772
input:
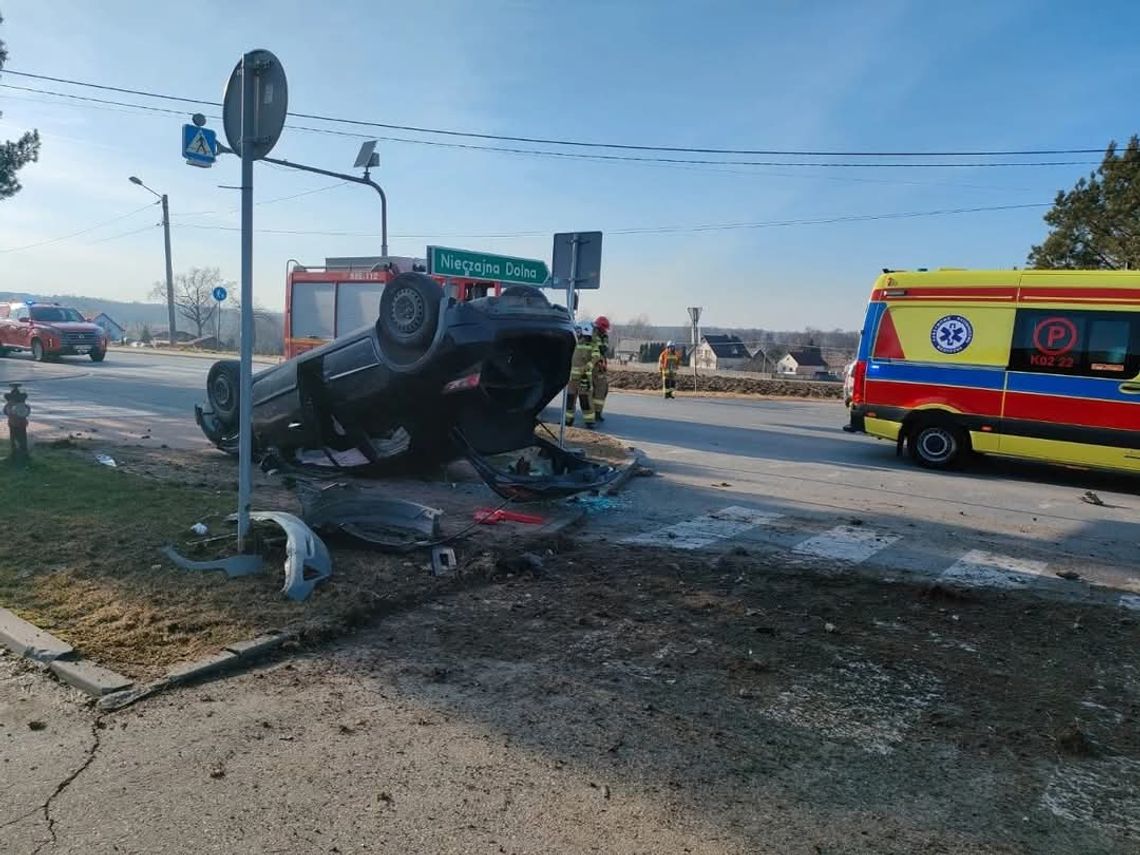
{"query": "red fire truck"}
pixel 326 302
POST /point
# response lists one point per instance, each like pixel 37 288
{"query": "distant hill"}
pixel 127 314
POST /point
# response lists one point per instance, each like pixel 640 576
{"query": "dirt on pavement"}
pixel 793 712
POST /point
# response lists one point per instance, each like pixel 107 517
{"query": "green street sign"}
pixel 464 264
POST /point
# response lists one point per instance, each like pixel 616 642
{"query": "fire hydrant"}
pixel 17 410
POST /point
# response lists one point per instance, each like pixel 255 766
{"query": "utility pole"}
pixel 134 179
pixel 169 266
pixel 695 318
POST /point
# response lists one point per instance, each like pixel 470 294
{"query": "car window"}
pixel 56 314
pixel 314 306
pixel 357 305
pixel 21 314
pixel 1089 344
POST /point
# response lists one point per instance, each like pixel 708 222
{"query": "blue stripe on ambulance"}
pixel 969 377
pixel 1095 388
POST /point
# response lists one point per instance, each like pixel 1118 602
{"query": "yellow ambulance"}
pixel 1036 364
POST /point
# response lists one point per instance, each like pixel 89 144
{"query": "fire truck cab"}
pixel 325 302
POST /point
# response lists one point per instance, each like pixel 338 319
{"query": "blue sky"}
pixel 862 76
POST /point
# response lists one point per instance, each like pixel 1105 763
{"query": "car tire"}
pixel 223 389
pixel 38 352
pixel 409 310
pixel 98 355
pixel 937 443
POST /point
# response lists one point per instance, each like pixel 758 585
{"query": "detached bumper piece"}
pixel 538 472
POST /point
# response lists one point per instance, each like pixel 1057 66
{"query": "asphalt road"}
pixel 786 460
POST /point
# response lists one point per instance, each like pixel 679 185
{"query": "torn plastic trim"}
pixel 366 515
pixel 570 474
pixel 304 551
pixel 235 566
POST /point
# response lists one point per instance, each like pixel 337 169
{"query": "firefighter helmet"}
pixel 602 323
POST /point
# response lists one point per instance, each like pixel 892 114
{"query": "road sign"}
pixel 465 264
pixel 199 145
pixel 578 256
pixel 220 294
pixel 270 103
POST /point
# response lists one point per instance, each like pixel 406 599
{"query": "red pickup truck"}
pixel 49 330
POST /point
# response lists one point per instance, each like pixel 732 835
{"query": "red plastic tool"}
pixel 489 516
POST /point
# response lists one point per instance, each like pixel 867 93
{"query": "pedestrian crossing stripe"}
pixel 846 544
pixel 849 545
pixel 703 530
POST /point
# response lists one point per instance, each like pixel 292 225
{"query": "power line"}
pixel 621 158
pixel 267 201
pixel 80 232
pixel 643 230
pixel 123 234
pixel 580 143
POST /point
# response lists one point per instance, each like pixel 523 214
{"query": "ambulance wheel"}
pixel 937 444
pixel 409 310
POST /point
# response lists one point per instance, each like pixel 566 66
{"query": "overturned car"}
pixel 433 379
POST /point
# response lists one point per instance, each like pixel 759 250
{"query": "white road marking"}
pixel 1129 601
pixel 46 411
pixel 703 530
pixel 846 543
pixel 1100 793
pixel 981 569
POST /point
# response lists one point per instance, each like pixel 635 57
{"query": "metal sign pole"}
pixel 573 280
pixel 245 410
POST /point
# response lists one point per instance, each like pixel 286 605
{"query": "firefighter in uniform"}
pixel 668 363
pixel 602 351
pixel 580 387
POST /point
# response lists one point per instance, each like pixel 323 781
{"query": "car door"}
pixel 1073 387
pixel 21 330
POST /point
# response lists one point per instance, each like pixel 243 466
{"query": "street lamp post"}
pixel 169 266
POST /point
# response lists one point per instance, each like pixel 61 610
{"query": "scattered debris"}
pixel 199 529
pixel 35 724
pixel 235 566
pixel 304 551
pixel 106 460
pixel 443 562
pixel 1092 498
pixel 829 627
pixel 493 516
pixel 1071 575
pixel 368 515
pixel 1073 741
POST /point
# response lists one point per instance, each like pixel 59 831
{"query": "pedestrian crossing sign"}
pixel 199 145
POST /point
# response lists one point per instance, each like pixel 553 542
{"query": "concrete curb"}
pixel 90 678
pixel 28 640
pixel 231 659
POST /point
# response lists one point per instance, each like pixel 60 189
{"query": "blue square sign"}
pixel 199 145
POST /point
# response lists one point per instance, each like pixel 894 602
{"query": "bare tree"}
pixel 637 328
pixel 194 295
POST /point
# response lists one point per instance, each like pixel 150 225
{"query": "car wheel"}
pixel 223 389
pixel 409 309
pixel 98 355
pixel 937 444
pixel 38 352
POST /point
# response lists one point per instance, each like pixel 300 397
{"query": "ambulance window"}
pixel 357 305
pixel 312 310
pixel 1108 344
pixel 1088 344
